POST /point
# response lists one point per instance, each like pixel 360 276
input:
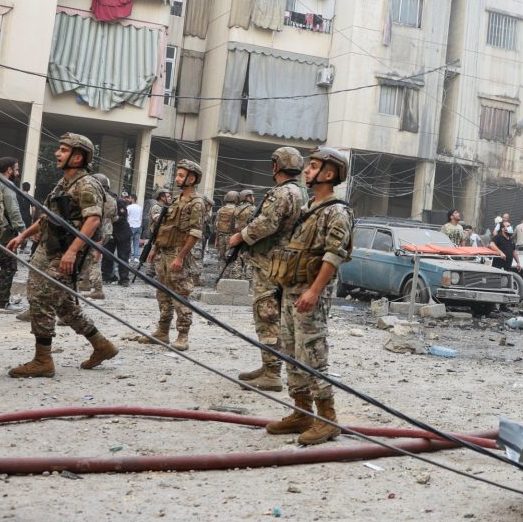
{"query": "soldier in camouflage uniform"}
pixel 11 223
pixel 92 269
pixel 224 228
pixel 162 198
pixel 78 199
pixel 306 268
pixel 270 229
pixel 181 229
pixel 242 216
pixel 199 250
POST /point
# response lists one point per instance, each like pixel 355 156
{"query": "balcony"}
pixel 308 21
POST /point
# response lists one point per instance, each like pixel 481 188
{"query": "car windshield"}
pixel 422 236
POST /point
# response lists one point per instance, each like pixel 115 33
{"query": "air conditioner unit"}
pixel 325 76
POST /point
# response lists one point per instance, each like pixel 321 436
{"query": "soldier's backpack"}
pixel 225 220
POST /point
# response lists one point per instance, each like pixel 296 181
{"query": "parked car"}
pixel 381 263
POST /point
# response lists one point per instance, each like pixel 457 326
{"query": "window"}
pixel 363 237
pixel 502 31
pixel 170 63
pixel 407 12
pixel 495 123
pixel 176 8
pixel 391 98
pixel 290 5
pixel 382 241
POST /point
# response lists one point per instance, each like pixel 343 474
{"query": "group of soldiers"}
pixel 294 250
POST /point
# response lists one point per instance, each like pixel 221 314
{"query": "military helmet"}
pixel 161 191
pixel 103 179
pixel 192 167
pixel 231 197
pixel 77 141
pixel 335 157
pixel 244 194
pixel 289 160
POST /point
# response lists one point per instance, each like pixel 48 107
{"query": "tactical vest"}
pixel 298 262
pixel 109 216
pixel 225 219
pixel 242 216
pixel 176 224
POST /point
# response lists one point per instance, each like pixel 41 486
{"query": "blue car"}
pixel 380 263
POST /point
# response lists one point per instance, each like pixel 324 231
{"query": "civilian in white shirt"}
pixel 134 217
pixel 518 237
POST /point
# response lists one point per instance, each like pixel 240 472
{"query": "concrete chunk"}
pixel 403 308
pixel 242 300
pixel 384 323
pixel 380 307
pixel 214 298
pixel 436 311
pixel 233 286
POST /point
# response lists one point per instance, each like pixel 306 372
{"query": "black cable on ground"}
pixel 298 364
pixel 211 369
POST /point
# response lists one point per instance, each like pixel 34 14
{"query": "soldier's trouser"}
pixel 304 337
pixel 266 311
pixel 92 269
pixel 234 269
pixel 8 269
pixel 181 283
pixel 46 300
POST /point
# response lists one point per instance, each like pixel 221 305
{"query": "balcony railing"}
pixel 308 21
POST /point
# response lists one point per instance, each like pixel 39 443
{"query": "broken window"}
pixel 407 12
pixel 400 100
pixel 495 123
pixel 382 241
pixel 502 31
pixel 391 97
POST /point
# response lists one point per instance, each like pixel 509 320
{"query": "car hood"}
pixel 462 266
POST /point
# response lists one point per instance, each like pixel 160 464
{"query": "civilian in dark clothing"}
pixel 121 241
pixel 506 248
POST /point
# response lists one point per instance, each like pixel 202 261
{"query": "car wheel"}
pixel 517 284
pixel 479 309
pixel 341 289
pixel 422 292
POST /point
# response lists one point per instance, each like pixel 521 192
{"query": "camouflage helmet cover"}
pixel 77 141
pixel 244 194
pixel 103 179
pixel 338 159
pixel 288 159
pixel 161 191
pixel 231 197
pixel 192 167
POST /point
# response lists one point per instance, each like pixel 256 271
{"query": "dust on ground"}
pixel 467 393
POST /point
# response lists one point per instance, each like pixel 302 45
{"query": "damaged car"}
pixel 383 259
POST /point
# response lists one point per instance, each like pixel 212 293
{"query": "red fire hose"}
pixel 25 465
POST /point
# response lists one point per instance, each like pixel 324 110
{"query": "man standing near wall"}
pixel 11 223
pixel 268 231
pixel 134 216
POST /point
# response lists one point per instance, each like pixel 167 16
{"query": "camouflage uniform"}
pixel 455 232
pixel 324 236
pixel 271 229
pixel 242 215
pixel 224 226
pixel 184 218
pixel 46 301
pixel 10 222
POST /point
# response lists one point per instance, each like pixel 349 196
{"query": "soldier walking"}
pixel 11 223
pixel 181 229
pixel 78 199
pixel 224 228
pixel 306 269
pixel 268 231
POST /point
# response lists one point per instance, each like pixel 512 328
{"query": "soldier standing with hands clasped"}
pixel 78 199
pixel 306 269
pixel 180 230
pixel 271 229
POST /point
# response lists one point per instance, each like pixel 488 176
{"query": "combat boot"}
pixel 84 285
pixel 269 380
pixel 95 294
pixel 182 341
pixel 103 349
pixel 320 431
pixel 41 366
pixel 296 422
pixel 24 316
pixel 161 333
pixel 249 376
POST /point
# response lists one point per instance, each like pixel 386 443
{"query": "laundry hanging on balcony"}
pixel 105 64
pixel 107 10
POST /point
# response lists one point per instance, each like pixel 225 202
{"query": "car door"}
pixel 379 262
pixel 351 272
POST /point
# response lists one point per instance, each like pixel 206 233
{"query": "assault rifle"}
pixel 230 258
pixel 148 247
